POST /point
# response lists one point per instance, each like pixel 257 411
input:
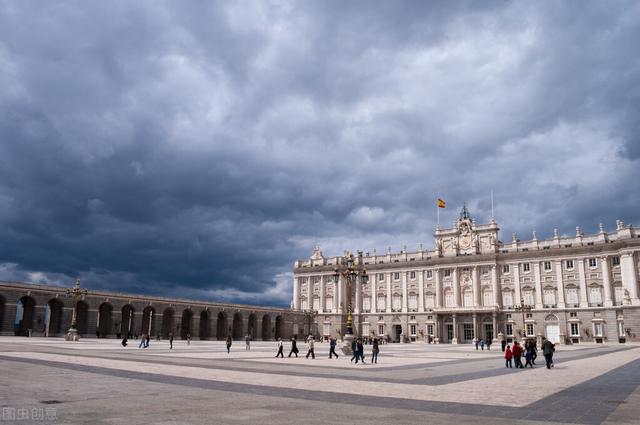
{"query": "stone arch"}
pixel 25 309
pixel 126 322
pixel 185 323
pixel 221 326
pixel 105 318
pixel 551 318
pixel 82 317
pixel 167 321
pixel 279 326
pixel 266 327
pixel 238 328
pixel 204 324
pixel 252 326
pixel 148 321
pixel 53 317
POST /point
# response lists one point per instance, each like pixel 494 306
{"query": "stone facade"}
pixel 44 310
pixel 582 288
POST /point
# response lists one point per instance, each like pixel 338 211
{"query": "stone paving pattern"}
pixel 100 382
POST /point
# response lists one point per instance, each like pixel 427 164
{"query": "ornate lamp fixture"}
pixel 76 293
pixel 352 270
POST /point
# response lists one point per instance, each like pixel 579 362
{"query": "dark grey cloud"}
pixel 199 150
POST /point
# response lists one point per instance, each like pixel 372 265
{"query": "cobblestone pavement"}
pixel 100 382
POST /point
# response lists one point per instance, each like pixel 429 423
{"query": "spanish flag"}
pixel 441 203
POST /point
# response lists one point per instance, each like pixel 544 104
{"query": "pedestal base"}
pixel 72 335
pixel 346 345
pixel 454 340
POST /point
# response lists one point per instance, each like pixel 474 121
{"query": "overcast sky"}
pixel 196 149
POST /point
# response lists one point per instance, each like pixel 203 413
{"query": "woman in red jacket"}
pixel 508 354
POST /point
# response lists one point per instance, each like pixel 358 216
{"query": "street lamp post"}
pixel 76 293
pixel 524 308
pixel 311 317
pixel 352 270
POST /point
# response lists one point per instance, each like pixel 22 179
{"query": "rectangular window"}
pixel 467 299
pixel 448 300
pixel 549 297
pixel 396 304
pixel 429 301
pixel 505 268
pixel 468 331
pixel 429 274
pixel 528 298
pixel 412 275
pixel 592 262
pixel 447 272
pixel 575 329
pixel 508 328
pixel 547 265
pixel 526 267
pixel 412 329
pixel 530 329
pixel 382 303
pixel 507 299
pixel 366 304
pixel 430 330
pixel 598 329
pixel 569 264
pixel 573 314
pixel 572 296
pixel 618 295
pixel 380 329
pixel 595 295
pixel 396 276
pixel 381 277
pixel 328 303
pixel 316 304
pixel 615 260
pixel 487 298
pixel 413 302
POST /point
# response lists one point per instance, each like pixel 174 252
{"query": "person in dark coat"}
pixel 503 344
pixel 294 347
pixel 332 348
pixel 375 350
pixel 548 349
pixel 354 350
pixel 280 348
pixel 360 348
pixel 124 341
pixel 171 341
pixel 229 342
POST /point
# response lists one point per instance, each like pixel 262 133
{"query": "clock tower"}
pixel 467 237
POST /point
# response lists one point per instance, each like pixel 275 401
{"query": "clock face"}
pixel 465 241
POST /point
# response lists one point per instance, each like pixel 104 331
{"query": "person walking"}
pixel 124 341
pixel 146 342
pixel 310 342
pixel 534 347
pixel 229 342
pixel 354 350
pixel 375 350
pixel 548 348
pixel 360 348
pixel 171 341
pixel 517 354
pixel 528 355
pixel 143 339
pixel 294 347
pixel 489 344
pixel 280 348
pixel 508 354
pixel 503 344
pixel 475 342
pixel 482 344
pixel 332 348
pixel 188 339
pixel 247 343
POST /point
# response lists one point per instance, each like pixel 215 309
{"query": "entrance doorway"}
pixel 397 331
pixel 552 333
pixel 488 331
pixel 449 332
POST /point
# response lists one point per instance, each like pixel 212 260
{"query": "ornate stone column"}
pixel 475 280
pixel 454 340
pixel 374 293
pixel 358 305
pixel 516 282
pixel 497 295
pixel 606 281
pixel 629 276
pixel 438 288
pixel 296 293
pixel 388 277
pixel 403 276
pixel 456 287
pixel 322 295
pixel 475 325
pixel 421 291
pixel 560 280
pixel 538 282
pixel 494 320
pixel 582 277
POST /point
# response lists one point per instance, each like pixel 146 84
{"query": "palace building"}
pixel 575 289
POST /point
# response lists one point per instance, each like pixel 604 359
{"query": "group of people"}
pixel 357 348
pixel 481 343
pixel 530 353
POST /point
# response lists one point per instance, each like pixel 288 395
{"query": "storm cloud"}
pixel 196 149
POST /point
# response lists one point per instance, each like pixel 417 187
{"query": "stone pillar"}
pixel 582 277
pixel 436 329
pixel 456 287
pixel 475 326
pixel 475 280
pixel 606 281
pixel 559 277
pixel 538 282
pixel 357 308
pixel 454 340
pixel 497 295
pixel 296 293
pixel 374 294
pixel 516 283
pixel 494 320
pixel 438 288
pixel 421 291
pixel 629 276
pixel 388 277
pixel 405 307
pixel 341 298
pixel 322 291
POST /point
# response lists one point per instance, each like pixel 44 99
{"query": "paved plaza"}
pixel 101 382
